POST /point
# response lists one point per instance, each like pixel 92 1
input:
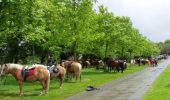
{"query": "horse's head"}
pixel 4 70
pixel 62 64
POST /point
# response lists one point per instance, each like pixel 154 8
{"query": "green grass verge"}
pixel 160 90
pixel 31 90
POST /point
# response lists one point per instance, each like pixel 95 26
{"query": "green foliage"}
pixel 67 26
pixel 166 48
pixel 31 60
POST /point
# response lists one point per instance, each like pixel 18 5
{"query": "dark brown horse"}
pixel 85 63
pixel 153 62
pixel 116 65
pixel 72 68
pixel 38 73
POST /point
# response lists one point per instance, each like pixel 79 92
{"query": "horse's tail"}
pixel 48 82
pixel 79 72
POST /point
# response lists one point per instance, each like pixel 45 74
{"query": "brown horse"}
pixel 38 73
pixel 153 62
pixel 59 72
pixel 73 68
pixel 55 72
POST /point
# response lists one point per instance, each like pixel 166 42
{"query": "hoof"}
pixel 46 92
pixel 21 94
pixel 41 93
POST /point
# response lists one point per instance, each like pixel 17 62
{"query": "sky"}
pixel 151 17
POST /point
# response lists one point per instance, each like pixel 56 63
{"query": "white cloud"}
pixel 151 17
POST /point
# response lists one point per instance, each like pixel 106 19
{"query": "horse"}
pixel 59 72
pixel 138 61
pixel 85 63
pixel 153 62
pixel 97 63
pixel 145 61
pixel 122 65
pixel 73 68
pixel 116 65
pixel 21 75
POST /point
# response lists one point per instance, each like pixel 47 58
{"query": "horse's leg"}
pixel 122 69
pixel 110 68
pixel 117 67
pixel 20 87
pixel 47 84
pixel 76 75
pixel 61 80
pixel 43 87
pixel 114 69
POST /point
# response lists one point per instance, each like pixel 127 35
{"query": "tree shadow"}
pixel 5 94
pixel 168 86
pixel 97 73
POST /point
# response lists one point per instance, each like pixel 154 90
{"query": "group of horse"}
pixel 41 73
pixel 149 62
pixel 107 63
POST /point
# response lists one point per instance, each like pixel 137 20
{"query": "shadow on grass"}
pixel 17 95
pixel 167 86
pixel 3 90
pixel 10 80
pixel 98 73
pixel 9 94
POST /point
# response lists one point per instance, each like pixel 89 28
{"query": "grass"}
pixel 31 90
pixel 160 89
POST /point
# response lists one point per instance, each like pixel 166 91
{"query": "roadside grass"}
pixel 91 76
pixel 160 90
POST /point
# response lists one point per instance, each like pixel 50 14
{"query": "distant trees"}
pixel 165 47
pixel 67 27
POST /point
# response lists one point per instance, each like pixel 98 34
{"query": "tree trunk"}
pixel 106 49
pixel 75 50
pixel 122 53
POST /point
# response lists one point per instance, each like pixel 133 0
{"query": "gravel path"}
pixel 131 87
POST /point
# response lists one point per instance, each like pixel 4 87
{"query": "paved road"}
pixel 131 87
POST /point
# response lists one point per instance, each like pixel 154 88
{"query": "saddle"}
pixel 27 72
pixel 53 69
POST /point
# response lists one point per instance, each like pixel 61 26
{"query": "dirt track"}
pixel 131 87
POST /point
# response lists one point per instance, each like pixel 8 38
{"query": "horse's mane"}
pixel 39 65
pixel 59 66
pixel 17 66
